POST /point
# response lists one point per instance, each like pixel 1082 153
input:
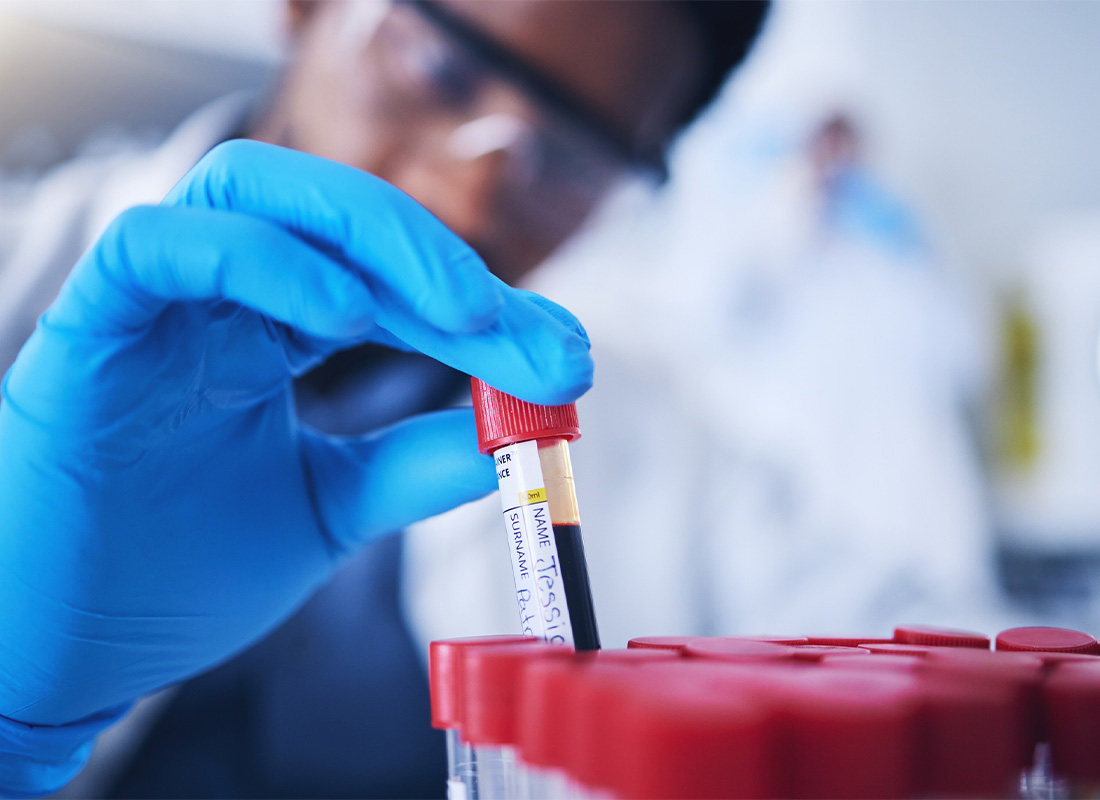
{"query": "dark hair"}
pixel 728 29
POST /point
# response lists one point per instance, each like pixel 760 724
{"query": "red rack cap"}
pixel 492 681
pixel 788 640
pixel 1021 673
pixel 599 696
pixel 675 643
pixel 722 649
pixel 502 419
pixel 819 652
pixel 445 674
pixel 628 656
pixel 544 711
pixel 1072 700
pixel 1059 640
pixel 971 734
pixel 893 649
pixel 939 637
pixel 901 663
pixel 847 641
pixel 849 733
pixel 683 742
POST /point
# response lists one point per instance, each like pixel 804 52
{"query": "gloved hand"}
pixel 161 505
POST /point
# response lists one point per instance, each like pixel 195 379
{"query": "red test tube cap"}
pixel 679 742
pixel 627 656
pixel 544 712
pixel 1072 699
pixel 893 649
pixel 849 734
pixel 445 674
pixel 600 689
pixel 820 652
pixel 492 679
pixel 724 649
pixel 847 641
pixel 934 636
pixel 1056 640
pixel 787 640
pixel 502 419
pixel 1020 673
pixel 971 734
pixel 675 643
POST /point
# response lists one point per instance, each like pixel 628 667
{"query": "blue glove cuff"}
pixel 39 759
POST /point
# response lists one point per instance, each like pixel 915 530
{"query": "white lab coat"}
pixel 57 219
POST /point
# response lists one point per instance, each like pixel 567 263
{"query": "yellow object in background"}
pixel 1017 434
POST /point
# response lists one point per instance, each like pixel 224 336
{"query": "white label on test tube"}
pixel 543 610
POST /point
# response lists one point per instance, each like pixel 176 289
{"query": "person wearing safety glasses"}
pixel 228 360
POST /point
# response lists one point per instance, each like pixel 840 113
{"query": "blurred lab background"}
pixel 956 138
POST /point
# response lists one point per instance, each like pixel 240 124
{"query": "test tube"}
pixel 1051 645
pixel 530 444
pixel 447 682
pixel 492 680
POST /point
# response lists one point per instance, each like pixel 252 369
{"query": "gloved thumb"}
pixel 370 485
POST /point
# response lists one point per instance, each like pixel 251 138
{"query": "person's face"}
pixel 508 168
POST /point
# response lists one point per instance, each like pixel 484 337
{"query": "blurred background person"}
pixel 510 122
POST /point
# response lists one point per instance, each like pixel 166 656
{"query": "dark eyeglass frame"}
pixel 546 91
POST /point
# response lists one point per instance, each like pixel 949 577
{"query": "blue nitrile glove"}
pixel 161 505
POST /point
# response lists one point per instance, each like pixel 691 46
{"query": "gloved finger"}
pixel 405 252
pixel 153 256
pixel 305 353
pixel 557 312
pixel 428 283
pixel 528 351
pixel 367 486
pixel 509 354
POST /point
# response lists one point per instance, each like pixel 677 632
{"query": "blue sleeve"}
pixel 36 760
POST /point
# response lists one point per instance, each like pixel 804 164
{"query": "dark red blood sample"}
pixel 573 568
